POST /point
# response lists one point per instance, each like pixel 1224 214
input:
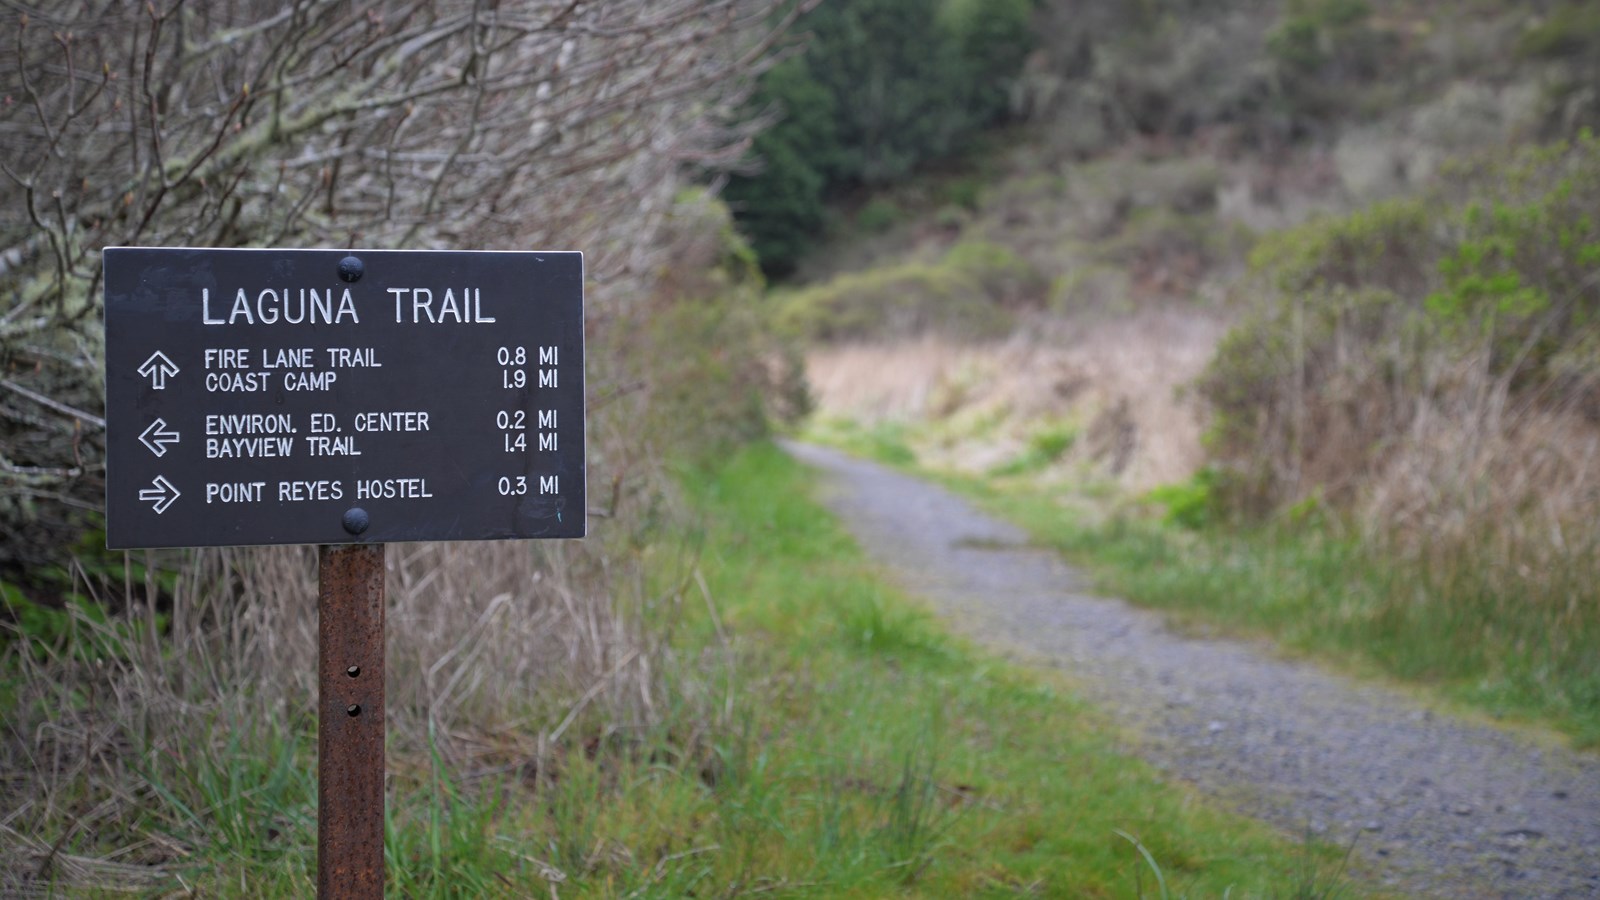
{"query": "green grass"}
pixel 1045 446
pixel 878 755
pixel 885 442
pixel 1437 623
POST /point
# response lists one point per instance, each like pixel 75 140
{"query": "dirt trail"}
pixel 1444 807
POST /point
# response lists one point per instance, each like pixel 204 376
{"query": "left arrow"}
pixel 156 437
pixel 158 368
pixel 160 494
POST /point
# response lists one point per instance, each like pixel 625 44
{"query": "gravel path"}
pixel 1444 808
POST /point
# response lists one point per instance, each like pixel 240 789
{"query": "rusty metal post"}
pixel 350 753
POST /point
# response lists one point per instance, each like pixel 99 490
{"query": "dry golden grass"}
pixel 501 658
pixel 1117 380
pixel 1514 484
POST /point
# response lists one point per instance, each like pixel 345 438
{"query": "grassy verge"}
pixel 876 755
pixel 1433 623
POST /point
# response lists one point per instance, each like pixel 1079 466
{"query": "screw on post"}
pixel 350 269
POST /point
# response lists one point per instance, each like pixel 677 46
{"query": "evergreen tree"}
pixel 884 85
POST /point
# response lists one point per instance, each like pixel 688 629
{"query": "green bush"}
pixel 878 216
pixel 973 291
pixel 882 87
pixel 1321 50
pixel 1521 274
pixel 1045 446
pixel 963 192
pixel 780 206
pixel 1005 278
pixel 1570 30
pixel 1189 504
pixel 992 37
pixel 1312 32
pixel 1390 245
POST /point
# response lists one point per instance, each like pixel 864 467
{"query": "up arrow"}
pixel 156 437
pixel 160 494
pixel 158 368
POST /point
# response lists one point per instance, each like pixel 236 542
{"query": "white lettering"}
pixel 241 307
pixel 309 381
pixel 234 492
pixel 347 358
pixel 249 423
pixel 420 306
pixel 392 421
pixel 347 307
pixel 292 306
pixel 467 308
pixel 217 358
pixel 248 447
pixel 236 382
pixel 205 308
pixel 300 491
pixel 267 307
pixel 393 489
pixel 287 358
pixel 332 446
pixel 448 305
pixel 321 303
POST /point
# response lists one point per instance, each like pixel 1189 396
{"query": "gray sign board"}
pixel 342 396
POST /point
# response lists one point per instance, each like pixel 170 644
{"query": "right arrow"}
pixel 160 494
pixel 158 368
pixel 156 437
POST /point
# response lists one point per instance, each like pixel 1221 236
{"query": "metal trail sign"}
pixel 343 398
pixel 320 396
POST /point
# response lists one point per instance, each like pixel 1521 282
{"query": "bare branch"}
pixel 414 123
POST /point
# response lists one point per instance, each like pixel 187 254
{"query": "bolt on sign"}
pixel 329 396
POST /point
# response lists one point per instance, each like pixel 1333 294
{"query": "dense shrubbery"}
pixel 1320 48
pixel 883 86
pixel 1432 361
pixel 972 292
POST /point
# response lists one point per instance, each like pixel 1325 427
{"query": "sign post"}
pixel 344 399
pixel 350 721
